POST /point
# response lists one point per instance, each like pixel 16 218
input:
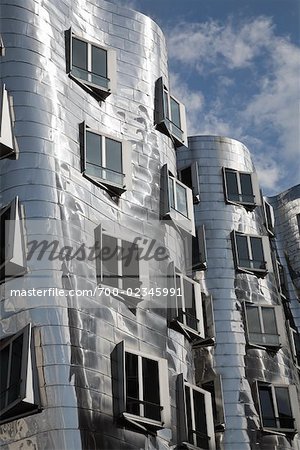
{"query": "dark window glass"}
pixel 298 222
pixel 210 387
pixel 109 256
pixel 4 360
pixel 130 265
pixel 267 407
pixel 269 217
pixel 151 389
pixel 15 369
pixel 166 104
pixel 99 61
pixel 284 407
pixel 181 199
pixel 5 216
pixel 175 112
pixel 243 252
pixel 190 306
pixel 132 384
pixel 93 149
pixel 79 54
pixel 246 188
pixel 257 253
pixel 113 155
pixel 253 320
pixel 189 415
pixel 186 177
pixel 179 294
pixel 296 337
pixel 232 186
pixel 200 420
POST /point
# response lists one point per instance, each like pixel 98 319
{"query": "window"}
pixel 199 253
pixel 195 416
pixel 186 306
pixel 269 217
pixel 282 282
pixel 91 65
pixel 105 160
pixel 252 253
pixel 262 324
pixel 7 147
pixel 294 338
pixel 140 388
pixel 214 386
pixel 18 393
pixel 118 263
pixel 177 201
pixel 241 188
pixel 298 223
pixel 278 407
pixel 189 176
pixel 12 250
pixel 169 114
pixel 2 48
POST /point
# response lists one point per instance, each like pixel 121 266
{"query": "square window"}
pixel 177 201
pixel 12 249
pixel 140 388
pixel 18 392
pixel 91 65
pixel 278 406
pixel 7 144
pixel 195 416
pixel 169 114
pixel 252 253
pixel 262 323
pixel 241 188
pixel 106 161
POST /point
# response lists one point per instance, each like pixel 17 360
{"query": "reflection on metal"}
pixel 74 336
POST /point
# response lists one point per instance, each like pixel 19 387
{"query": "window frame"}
pixel 219 415
pixel 194 179
pixel 119 389
pixel 266 253
pixel 291 332
pixel 278 323
pixel 183 430
pixel 293 398
pixel 182 221
pixel 126 149
pixel 7 141
pixel 15 256
pixel 269 217
pixel 28 392
pixel 164 123
pixel 101 92
pixel 254 184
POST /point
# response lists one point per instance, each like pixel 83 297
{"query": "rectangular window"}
pixel 7 146
pixel 12 248
pixel 118 263
pixel 140 386
pixel 294 338
pixel 90 64
pixel 106 161
pixel 169 114
pixel 262 325
pixel 190 177
pixel 269 217
pixel 250 253
pixel 199 253
pixel 195 417
pixel 241 188
pixel 17 394
pixel 214 386
pixel 176 201
pixel 277 406
pixel 298 223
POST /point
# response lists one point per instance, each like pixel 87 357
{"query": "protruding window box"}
pixel 190 177
pixel 214 386
pixel 241 188
pixel 294 339
pixel 251 253
pixel 90 65
pixel 7 144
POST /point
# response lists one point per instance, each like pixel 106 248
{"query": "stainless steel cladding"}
pixel 122 326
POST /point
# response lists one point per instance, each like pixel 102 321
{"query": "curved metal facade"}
pixel 74 337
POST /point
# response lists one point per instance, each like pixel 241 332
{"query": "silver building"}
pixel 149 292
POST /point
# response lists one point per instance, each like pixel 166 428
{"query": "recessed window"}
pixel 177 201
pixel 91 65
pixel 269 217
pixel 195 416
pixel 118 263
pixel 262 325
pixel 189 176
pixel 241 188
pixel 18 394
pixel 294 338
pixel 7 146
pixel 12 250
pixel 140 384
pixel 250 253
pixel 278 406
pixel 106 161
pixel 169 114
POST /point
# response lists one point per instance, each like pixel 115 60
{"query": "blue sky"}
pixel 235 64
